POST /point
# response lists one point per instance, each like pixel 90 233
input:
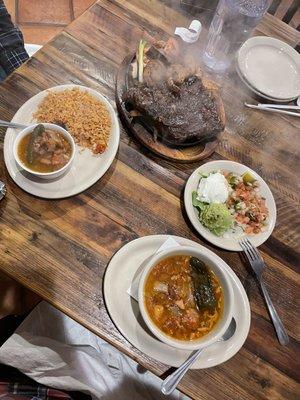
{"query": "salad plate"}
pixel 225 230
pixel 121 274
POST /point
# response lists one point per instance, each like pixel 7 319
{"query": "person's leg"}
pixel 2 74
pixel 12 51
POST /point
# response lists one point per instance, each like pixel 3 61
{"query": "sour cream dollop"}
pixel 213 189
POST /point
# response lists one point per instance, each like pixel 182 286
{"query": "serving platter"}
pixel 86 168
pixel 124 268
pixel 184 154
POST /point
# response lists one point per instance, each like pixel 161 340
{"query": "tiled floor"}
pixel 40 20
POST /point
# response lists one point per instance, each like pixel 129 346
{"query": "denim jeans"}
pixel 2 74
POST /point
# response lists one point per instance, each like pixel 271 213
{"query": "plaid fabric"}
pixel 21 391
pixel 12 51
pixel 16 386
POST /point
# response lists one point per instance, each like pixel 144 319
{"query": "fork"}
pixel 258 265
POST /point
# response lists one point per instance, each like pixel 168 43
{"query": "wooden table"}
pixel 59 249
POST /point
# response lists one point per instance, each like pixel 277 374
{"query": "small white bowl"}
pixel 225 319
pixel 44 175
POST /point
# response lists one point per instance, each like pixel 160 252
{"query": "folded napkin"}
pixel 191 34
pixel 133 290
pixel 56 351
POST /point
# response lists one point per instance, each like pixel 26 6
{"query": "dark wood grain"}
pixel 60 249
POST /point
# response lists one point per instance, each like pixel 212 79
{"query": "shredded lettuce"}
pixel 197 203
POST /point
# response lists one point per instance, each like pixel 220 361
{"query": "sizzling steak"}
pixel 182 106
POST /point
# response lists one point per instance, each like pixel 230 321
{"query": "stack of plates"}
pixel 270 68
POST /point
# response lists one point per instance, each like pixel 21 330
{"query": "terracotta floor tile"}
pixel 39 34
pixel 39 11
pixel 11 8
pixel 81 5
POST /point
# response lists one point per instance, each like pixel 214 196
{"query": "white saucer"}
pixel 270 66
pixel 227 243
pixel 258 92
pixel 124 310
pixel 86 168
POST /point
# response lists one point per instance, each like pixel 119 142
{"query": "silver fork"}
pixel 258 265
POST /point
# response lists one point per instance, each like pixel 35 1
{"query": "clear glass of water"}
pixel 232 24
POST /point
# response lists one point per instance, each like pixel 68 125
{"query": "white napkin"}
pixel 56 351
pixel 191 34
pixel 134 287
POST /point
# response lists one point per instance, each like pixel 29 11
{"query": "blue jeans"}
pixel 2 74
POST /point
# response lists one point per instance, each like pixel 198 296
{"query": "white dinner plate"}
pixel 86 169
pixel 124 310
pixel 192 212
pixel 270 66
pixel 258 92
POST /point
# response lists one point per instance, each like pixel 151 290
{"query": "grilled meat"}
pixel 182 106
pixel 155 72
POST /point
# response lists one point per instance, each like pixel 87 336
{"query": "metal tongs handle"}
pixel 274 110
pixel 279 106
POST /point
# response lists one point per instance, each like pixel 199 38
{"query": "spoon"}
pixel 170 383
pixel 15 125
pixel 12 125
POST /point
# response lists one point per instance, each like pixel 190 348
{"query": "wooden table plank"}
pixel 43 242
pixel 272 26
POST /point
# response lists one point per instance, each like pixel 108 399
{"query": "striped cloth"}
pixel 12 51
pixel 23 391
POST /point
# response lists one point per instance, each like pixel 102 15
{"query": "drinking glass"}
pixel 232 24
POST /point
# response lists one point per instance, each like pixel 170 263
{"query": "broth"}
pixel 44 150
pixel 172 303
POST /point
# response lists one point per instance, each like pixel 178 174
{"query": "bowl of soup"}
pixel 185 297
pixel 44 150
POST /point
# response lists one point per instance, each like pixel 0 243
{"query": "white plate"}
pixel 124 310
pixel 231 166
pixel 258 92
pixel 270 66
pixel 86 168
